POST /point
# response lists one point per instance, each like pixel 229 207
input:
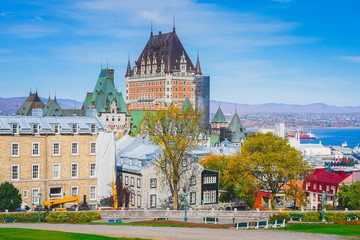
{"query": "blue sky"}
pixel 263 51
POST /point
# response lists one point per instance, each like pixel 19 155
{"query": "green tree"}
pixel 176 133
pixel 271 161
pixel 349 195
pixel 10 197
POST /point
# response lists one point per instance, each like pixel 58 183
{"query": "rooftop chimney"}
pixel 37 112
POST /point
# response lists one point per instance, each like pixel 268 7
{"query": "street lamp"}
pixel 323 205
pixel 185 218
pixel 39 218
pixel 335 203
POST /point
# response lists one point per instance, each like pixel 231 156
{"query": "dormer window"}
pixel 56 128
pixel 93 128
pixel 15 128
pixel 35 128
pixel 130 161
pixel 107 119
pixel 75 128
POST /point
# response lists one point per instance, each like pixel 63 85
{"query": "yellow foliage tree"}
pixel 176 133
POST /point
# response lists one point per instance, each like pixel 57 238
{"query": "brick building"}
pixel 164 75
pixel 55 156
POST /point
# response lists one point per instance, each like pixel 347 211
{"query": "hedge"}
pixel 314 216
pixel 55 217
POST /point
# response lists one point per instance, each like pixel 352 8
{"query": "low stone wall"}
pixel 149 213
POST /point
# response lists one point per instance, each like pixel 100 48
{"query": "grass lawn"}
pixel 23 233
pixel 336 229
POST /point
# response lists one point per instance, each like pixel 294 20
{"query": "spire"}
pixel 198 68
pixel 174 24
pixel 55 97
pixel 49 96
pixel 128 70
pixel 219 117
pixel 151 34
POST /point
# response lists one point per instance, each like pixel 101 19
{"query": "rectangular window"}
pixel 92 193
pixel 56 170
pixel 56 149
pixel 35 171
pixel 25 194
pixel 75 128
pixel 15 149
pixel 92 169
pixel 193 180
pixel 74 148
pixel 193 198
pixel 209 179
pixel 139 201
pixel 327 188
pixel 138 182
pixel 35 128
pixel 314 186
pixel 74 191
pixel 209 196
pixel 15 172
pixel 126 180
pixel 314 197
pixel 320 186
pixel 93 128
pixel 132 181
pixel 15 129
pixel 92 148
pixel 152 182
pixel 35 149
pixel 133 199
pixel 74 170
pixel 35 195
pixel 153 201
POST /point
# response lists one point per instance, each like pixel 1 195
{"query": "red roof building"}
pixel 327 182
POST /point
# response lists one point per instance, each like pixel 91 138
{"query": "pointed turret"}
pixel 186 105
pixel 198 68
pixel 128 70
pixel 219 117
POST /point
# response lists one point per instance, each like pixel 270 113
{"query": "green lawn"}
pixel 336 229
pixel 29 234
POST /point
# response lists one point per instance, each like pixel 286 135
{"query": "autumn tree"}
pixel 176 133
pixel 237 185
pixel 294 190
pixel 271 161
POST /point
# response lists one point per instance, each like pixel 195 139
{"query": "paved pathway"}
pixel 174 233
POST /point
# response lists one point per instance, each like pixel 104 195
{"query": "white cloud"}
pixel 354 59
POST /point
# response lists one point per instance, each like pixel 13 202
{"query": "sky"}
pixel 262 51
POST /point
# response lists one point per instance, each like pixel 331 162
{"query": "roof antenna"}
pixel 151 29
pixel 174 24
pixel 55 96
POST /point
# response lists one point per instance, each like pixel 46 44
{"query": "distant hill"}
pixel 229 107
pixel 9 106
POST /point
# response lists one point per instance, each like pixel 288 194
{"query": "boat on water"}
pixel 304 134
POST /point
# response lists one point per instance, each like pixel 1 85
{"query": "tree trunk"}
pixel 175 195
pixel 273 205
pixel 295 200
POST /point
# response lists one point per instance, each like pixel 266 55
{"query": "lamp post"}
pixel 335 203
pixel 39 218
pixel 185 218
pixel 323 205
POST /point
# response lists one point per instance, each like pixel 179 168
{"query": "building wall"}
pixel 46 159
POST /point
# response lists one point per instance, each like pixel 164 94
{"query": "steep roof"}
pixel 236 124
pixel 105 93
pixel 52 108
pixel 219 117
pixel 186 105
pixel 238 135
pixel 136 118
pixel 167 48
pixel 33 101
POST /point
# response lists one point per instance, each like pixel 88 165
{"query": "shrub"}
pixel 279 216
pixel 329 207
pixel 351 222
pixel 313 216
pixel 10 198
pixel 24 217
pixel 72 217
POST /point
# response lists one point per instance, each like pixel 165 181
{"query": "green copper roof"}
pixel 105 93
pixel 136 119
pixel 214 139
pixel 52 108
pixel 219 117
pixel 33 101
pixel 237 136
pixel 236 124
pixel 186 105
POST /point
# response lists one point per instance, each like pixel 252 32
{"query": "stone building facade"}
pixel 164 75
pixel 54 156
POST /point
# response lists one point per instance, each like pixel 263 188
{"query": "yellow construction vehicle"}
pixel 58 204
